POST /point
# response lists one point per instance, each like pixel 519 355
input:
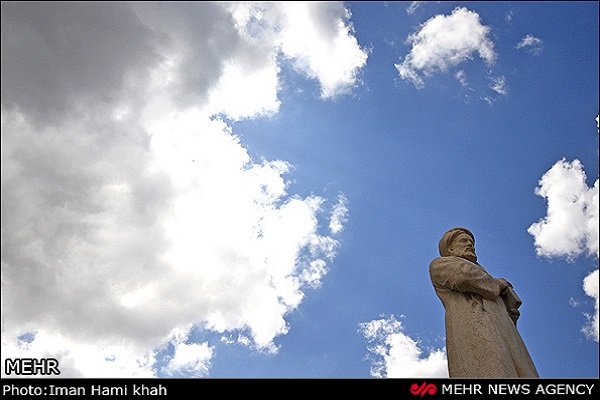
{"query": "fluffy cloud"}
pixel 590 286
pixel 50 52
pixel 189 359
pixel 461 76
pixel 508 17
pixel 445 41
pixel 339 215
pixel 531 44
pixel 129 211
pixel 102 358
pixel 298 29
pixel 394 354
pixel 413 6
pixel 570 227
pixel 498 84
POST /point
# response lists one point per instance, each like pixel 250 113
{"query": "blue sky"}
pixel 156 190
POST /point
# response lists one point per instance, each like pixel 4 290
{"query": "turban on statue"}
pixel 446 240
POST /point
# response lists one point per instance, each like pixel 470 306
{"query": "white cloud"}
pixel 488 99
pixel 508 17
pixel 394 354
pixel 243 93
pixel 574 303
pixel 445 41
pixel 461 76
pixel 129 211
pixel 498 84
pixel 339 215
pixel 335 62
pixel 317 37
pixel 101 359
pixel 590 286
pixel 531 44
pixel 570 227
pixel 413 6
pixel 189 359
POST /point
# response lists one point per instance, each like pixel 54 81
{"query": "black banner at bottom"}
pixel 400 388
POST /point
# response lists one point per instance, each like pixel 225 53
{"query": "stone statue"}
pixel 481 314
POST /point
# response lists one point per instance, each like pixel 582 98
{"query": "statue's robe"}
pixel 481 338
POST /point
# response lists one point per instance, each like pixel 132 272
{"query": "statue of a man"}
pixel 481 314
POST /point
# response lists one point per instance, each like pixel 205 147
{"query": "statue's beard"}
pixel 469 254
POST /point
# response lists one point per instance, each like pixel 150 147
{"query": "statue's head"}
pixel 458 242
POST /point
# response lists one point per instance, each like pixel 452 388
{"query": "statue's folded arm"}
pixel 464 276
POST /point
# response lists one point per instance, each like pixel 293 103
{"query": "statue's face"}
pixel 463 246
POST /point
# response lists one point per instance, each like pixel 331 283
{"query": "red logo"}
pixel 423 389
